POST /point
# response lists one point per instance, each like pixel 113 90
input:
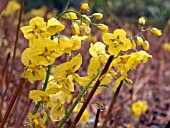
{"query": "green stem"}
pixel 78 13
pixel 67 4
pixel 140 34
pixel 78 99
pixel 44 88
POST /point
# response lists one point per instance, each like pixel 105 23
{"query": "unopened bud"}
pixel 102 27
pixel 156 31
pixel 84 7
pixel 97 16
pixel 139 40
pixel 142 21
pixel 146 45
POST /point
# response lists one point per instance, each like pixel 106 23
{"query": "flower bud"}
pixel 102 27
pixel 70 15
pixel 84 7
pixel 146 45
pixel 142 21
pixel 156 31
pixel 139 40
pixel 97 16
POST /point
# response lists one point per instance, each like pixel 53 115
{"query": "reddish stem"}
pixel 22 81
pixel 91 93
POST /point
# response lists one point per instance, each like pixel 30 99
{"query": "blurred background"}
pixel 151 81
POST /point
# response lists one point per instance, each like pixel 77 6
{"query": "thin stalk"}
pixel 3 79
pixel 140 34
pixel 97 118
pixel 112 105
pixel 14 52
pixel 14 110
pixel 77 100
pixel 168 124
pixel 22 82
pixel 91 92
pixel 67 4
pixel 44 88
pixel 78 13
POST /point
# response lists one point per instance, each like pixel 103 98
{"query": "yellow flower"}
pixel 46 50
pixel 117 41
pixel 156 31
pixel 138 108
pixel 80 29
pixel 54 26
pixel 65 44
pixel 97 16
pixel 57 113
pixel 141 56
pixel 69 68
pixel 38 12
pixel 85 116
pixel 128 62
pixel 98 50
pixel 77 41
pixel 37 121
pixel 36 29
pixel 142 21
pixel 93 69
pixel 37 95
pixel 11 8
pixel 33 70
pixel 166 46
pixel 70 16
pixel 65 73
pixel 102 27
pixel 84 7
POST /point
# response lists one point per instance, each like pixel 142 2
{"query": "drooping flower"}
pixel 98 50
pixel 33 69
pixel 54 26
pixel 36 29
pixel 37 121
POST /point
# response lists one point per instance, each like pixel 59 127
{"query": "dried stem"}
pixel 14 52
pixel 168 124
pixel 91 93
pixel 112 105
pixel 97 118
pixel 22 81
pixel 2 80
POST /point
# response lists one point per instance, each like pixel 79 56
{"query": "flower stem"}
pixel 44 88
pixel 78 99
pixel 92 92
pixel 22 82
pixel 112 105
pixel 14 52
pixel 140 34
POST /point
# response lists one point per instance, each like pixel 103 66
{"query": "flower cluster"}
pixel 46 43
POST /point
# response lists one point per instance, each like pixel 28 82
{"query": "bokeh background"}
pixel 151 81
